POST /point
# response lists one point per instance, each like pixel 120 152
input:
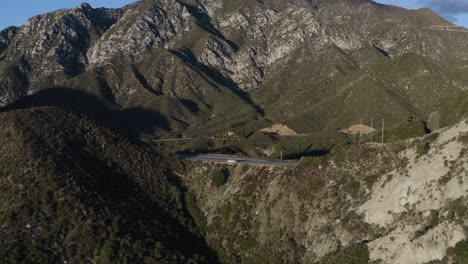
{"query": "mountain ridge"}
pixel 259 56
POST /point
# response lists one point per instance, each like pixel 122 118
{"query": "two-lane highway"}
pixel 214 158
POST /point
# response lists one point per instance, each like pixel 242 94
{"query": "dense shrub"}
pixel 219 177
pixel 352 254
pixel 461 252
pixel 422 148
pixel 316 184
pixel 370 180
pixel 464 139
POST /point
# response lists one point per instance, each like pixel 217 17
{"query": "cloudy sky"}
pixel 456 11
pixel 16 12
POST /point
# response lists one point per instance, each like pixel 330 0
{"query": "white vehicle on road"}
pixel 231 161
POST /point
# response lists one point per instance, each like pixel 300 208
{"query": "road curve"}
pixel 214 158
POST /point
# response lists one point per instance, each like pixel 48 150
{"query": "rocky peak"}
pixel 58 41
pixel 85 7
pixel 249 48
pixel 144 27
pixel 6 36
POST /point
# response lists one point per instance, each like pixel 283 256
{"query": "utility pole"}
pixel 281 155
pixel 383 128
pixel 360 132
pixel 372 126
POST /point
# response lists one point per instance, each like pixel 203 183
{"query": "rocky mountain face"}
pixel 403 202
pixel 74 191
pixel 315 65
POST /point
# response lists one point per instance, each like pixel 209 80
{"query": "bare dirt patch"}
pixel 280 129
pixel 358 129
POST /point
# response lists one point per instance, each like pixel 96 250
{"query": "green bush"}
pixel 464 139
pixel 352 187
pixel 264 254
pixel 225 211
pixel 352 254
pixel 246 243
pixel 432 137
pixel 370 180
pixel 422 148
pixel 404 131
pixel 313 161
pixel 433 222
pixel 316 184
pixel 457 208
pixel 219 177
pixel 461 252
pixel 339 157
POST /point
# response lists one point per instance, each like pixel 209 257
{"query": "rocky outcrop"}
pixel 58 41
pixel 6 36
pixel 429 185
pixel 401 202
pixel 142 29
pixel 315 53
pixel 401 246
pixel 421 185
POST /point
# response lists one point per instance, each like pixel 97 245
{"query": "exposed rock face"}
pixel 414 188
pixel 317 54
pixel 58 41
pixel 399 246
pixel 406 207
pixel 142 29
pixel 6 36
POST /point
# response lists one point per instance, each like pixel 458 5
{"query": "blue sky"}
pixel 456 11
pixel 16 12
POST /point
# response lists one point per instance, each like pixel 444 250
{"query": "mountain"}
pixel 208 67
pixel 402 202
pixel 72 191
pixel 80 87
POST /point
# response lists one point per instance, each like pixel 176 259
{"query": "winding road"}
pixel 214 158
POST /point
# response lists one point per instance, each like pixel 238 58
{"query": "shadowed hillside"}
pixel 132 122
pixel 72 191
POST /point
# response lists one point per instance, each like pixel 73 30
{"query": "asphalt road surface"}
pixel 172 139
pixel 236 160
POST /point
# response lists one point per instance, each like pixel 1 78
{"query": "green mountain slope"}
pixel 72 191
pixel 210 66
